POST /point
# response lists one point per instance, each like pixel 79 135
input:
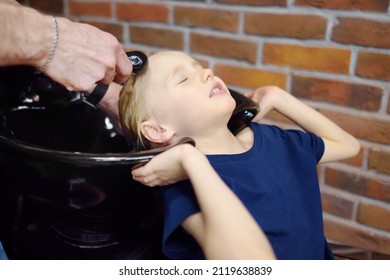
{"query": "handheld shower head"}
pixel 139 60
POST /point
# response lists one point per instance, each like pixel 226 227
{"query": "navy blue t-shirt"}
pixel 277 181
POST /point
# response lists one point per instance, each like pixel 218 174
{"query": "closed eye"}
pixel 182 81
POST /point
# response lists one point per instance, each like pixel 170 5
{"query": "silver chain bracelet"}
pixel 54 47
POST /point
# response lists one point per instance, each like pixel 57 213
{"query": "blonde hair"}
pixel 133 110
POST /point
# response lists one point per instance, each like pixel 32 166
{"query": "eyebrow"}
pixel 174 72
pixel 179 68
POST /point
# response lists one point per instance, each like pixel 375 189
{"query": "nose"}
pixel 206 75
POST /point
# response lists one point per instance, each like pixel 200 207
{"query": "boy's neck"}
pixel 224 142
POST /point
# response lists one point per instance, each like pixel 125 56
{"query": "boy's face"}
pixel 186 96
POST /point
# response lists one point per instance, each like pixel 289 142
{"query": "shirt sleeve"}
pixel 310 141
pixel 179 203
pixel 304 143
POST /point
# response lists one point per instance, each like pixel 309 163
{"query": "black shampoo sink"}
pixel 66 190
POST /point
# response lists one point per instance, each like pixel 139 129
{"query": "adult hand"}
pixel 85 56
pixel 80 57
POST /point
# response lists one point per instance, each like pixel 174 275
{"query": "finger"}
pixel 259 116
pixel 87 84
pixel 108 77
pixel 143 175
pixel 90 89
pixel 123 68
pixel 147 181
pixel 139 172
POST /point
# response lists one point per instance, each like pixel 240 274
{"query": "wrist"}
pixel 37 37
pixel 191 157
pixel 54 46
pixel 278 98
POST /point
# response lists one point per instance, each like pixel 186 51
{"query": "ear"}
pixel 156 133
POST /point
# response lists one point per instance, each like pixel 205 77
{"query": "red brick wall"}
pixel 334 55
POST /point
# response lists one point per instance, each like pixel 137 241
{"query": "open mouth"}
pixel 216 90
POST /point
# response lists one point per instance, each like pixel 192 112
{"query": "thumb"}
pixel 260 115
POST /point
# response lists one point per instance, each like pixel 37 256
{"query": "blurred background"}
pixel 334 55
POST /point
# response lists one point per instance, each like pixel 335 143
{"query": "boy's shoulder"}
pixel 254 131
pixel 271 132
pixel 246 136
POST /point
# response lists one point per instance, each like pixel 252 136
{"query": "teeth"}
pixel 215 91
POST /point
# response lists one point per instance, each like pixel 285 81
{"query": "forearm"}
pixel 228 229
pixel 26 35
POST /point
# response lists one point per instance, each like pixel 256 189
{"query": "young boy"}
pixel 229 188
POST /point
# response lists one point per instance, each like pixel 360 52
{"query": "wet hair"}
pixel 133 110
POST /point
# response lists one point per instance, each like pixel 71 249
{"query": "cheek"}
pixel 174 112
pixel 231 103
pixel 161 109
